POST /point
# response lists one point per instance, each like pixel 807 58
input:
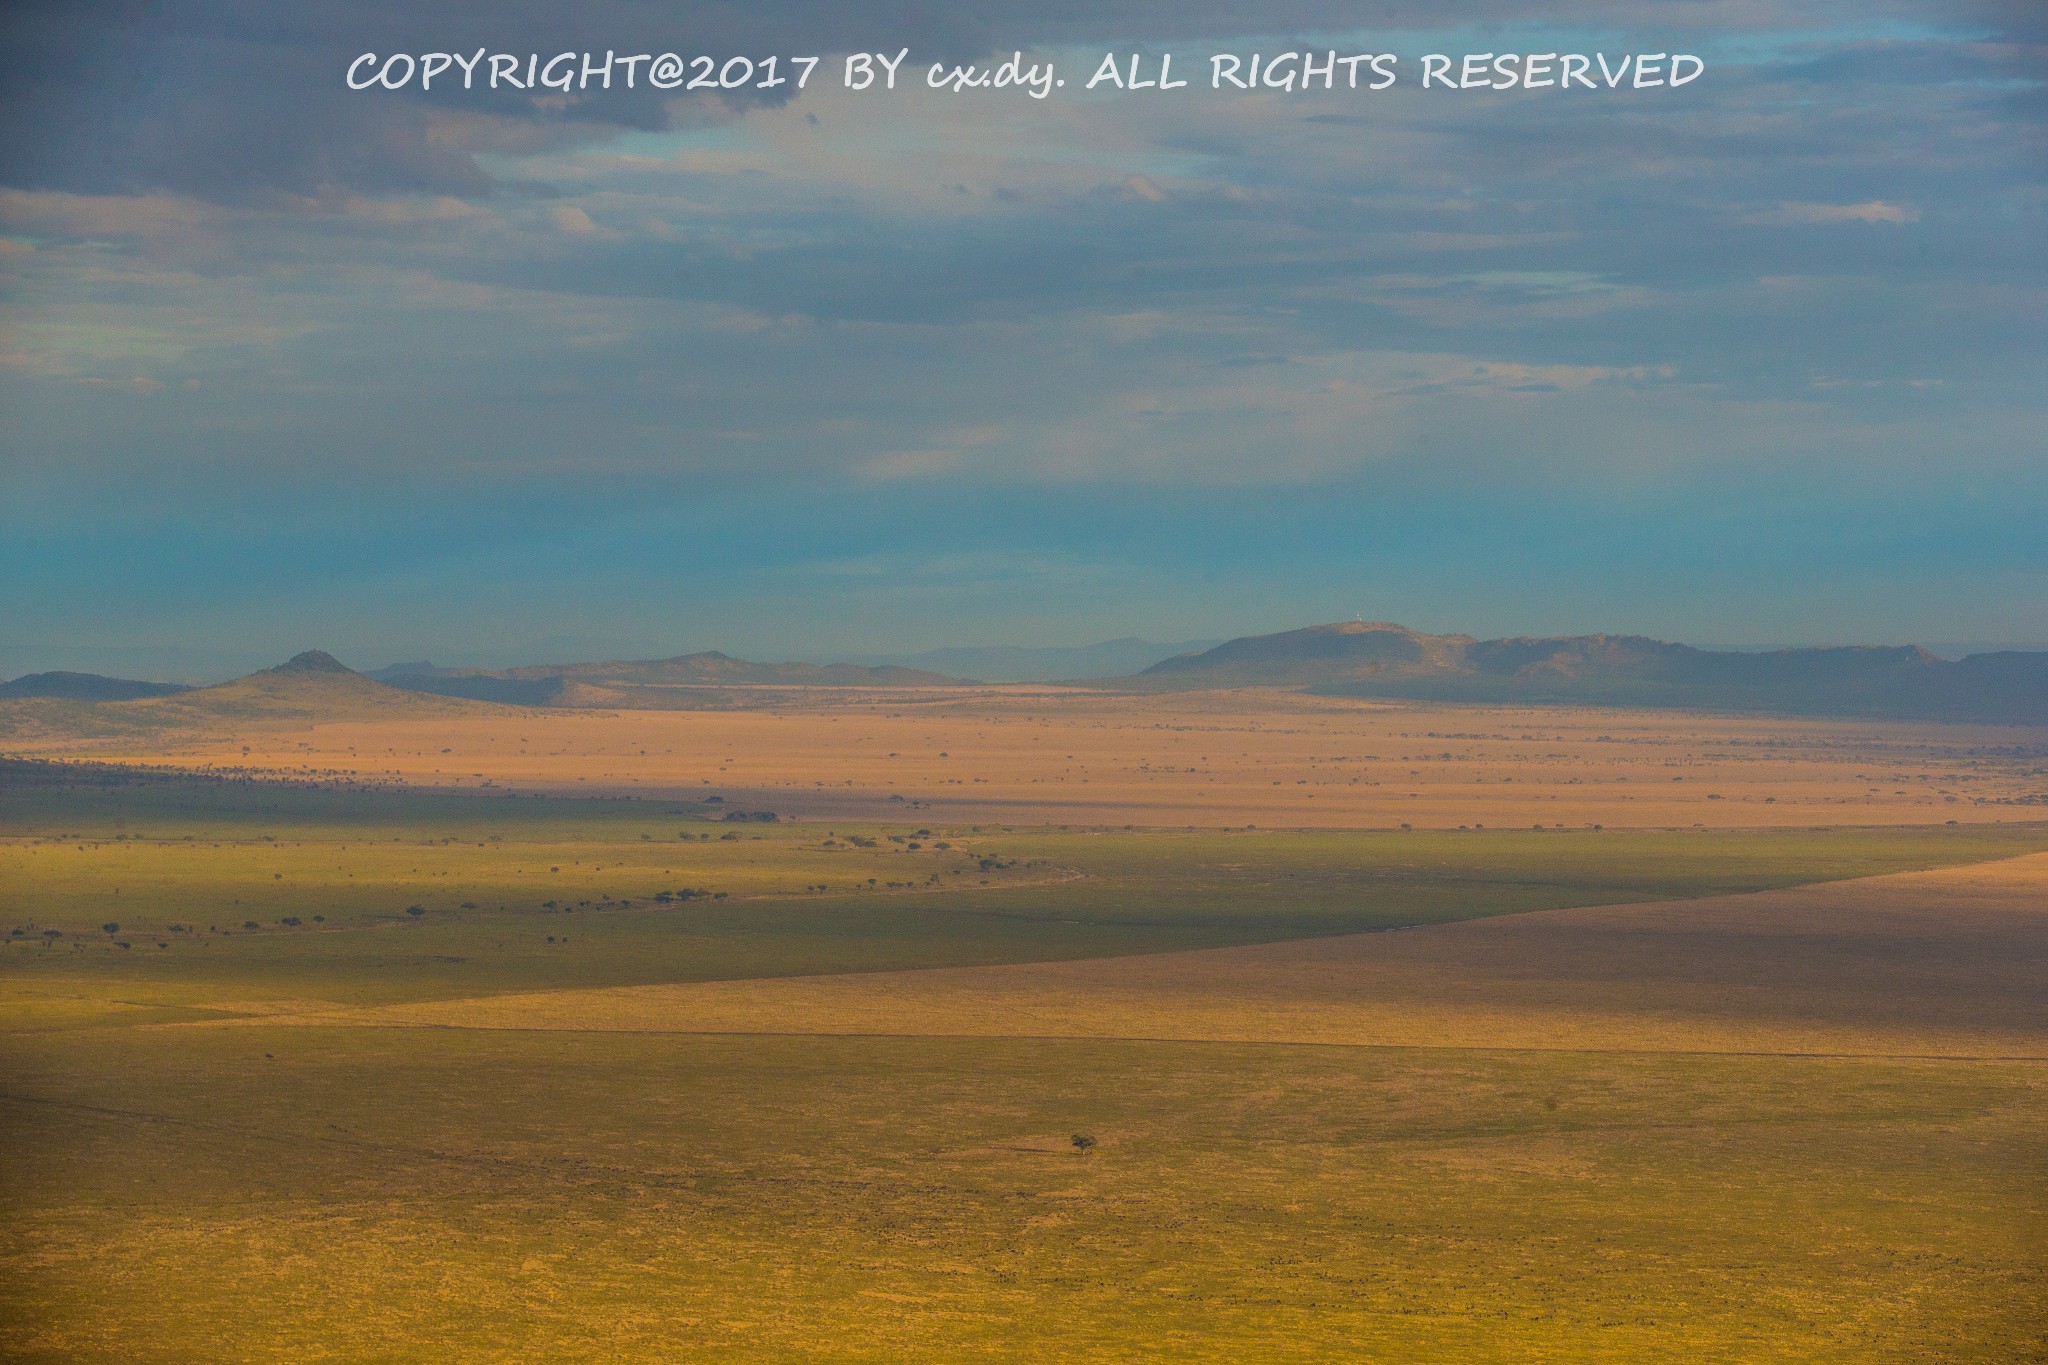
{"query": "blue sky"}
pixel 491 381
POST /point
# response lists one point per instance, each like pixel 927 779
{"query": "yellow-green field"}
pixel 364 1194
pixel 375 1135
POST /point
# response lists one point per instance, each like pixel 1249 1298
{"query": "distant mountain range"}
pixel 1350 658
pixel 308 686
pixel 642 683
pixel 86 687
pixel 312 686
pixel 1381 659
pixel 1013 663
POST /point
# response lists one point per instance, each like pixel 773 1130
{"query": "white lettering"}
pixel 469 67
pixel 567 79
pixel 1108 71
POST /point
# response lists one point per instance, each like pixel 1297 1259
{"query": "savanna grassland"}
pixel 319 1070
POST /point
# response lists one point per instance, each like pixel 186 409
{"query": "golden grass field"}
pixel 1755 1071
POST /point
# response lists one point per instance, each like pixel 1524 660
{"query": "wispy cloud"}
pixel 1820 215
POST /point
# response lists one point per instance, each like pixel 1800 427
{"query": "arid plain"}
pixel 1039 1024
pixel 1030 755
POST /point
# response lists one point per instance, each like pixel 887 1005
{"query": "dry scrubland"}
pixel 637 1082
pixel 1027 755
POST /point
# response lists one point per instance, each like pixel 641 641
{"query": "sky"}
pixel 500 377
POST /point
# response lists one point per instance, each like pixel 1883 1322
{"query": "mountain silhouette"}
pixel 85 687
pixel 643 682
pixel 1379 658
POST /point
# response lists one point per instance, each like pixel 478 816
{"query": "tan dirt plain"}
pixel 1949 963
pixel 1036 755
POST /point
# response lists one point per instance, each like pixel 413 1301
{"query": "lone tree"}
pixel 1082 1142
pixel 110 928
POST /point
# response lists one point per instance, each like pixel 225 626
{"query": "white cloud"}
pixel 1822 215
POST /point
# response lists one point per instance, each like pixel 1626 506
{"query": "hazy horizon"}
pixel 202 667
